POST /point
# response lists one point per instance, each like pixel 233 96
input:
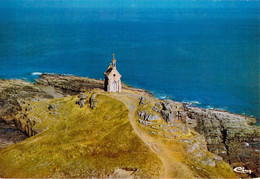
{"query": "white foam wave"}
pixel 160 96
pixel 195 102
pixel 65 74
pixel 191 102
pixel 36 73
pixel 220 109
pixel 40 73
pixel 209 107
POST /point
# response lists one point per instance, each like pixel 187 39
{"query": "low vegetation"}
pixel 79 142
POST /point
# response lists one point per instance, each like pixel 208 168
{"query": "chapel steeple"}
pixel 114 60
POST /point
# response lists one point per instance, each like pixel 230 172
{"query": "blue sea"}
pixel 208 57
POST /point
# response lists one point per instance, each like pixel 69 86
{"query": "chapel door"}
pixel 113 87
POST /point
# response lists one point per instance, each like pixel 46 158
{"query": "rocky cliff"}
pixel 231 136
pixel 14 93
pixel 72 85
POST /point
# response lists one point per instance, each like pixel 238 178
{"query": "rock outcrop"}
pixel 230 136
pixel 148 117
pixel 142 100
pixel 9 134
pixel 14 94
pixel 93 101
pixel 82 99
pixel 72 85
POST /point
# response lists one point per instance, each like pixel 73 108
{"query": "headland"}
pixel 76 129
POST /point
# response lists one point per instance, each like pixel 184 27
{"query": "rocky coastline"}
pixel 230 136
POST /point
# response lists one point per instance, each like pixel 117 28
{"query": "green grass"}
pixel 79 142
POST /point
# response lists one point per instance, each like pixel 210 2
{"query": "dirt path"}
pixel 170 155
pixel 131 101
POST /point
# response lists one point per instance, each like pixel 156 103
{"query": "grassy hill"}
pixel 104 141
pixel 79 142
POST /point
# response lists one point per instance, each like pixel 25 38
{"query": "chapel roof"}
pixel 112 67
pixel 109 69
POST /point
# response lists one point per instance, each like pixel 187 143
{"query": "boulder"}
pixel 82 96
pixel 155 117
pixel 166 106
pixel 82 99
pixel 156 109
pixel 167 115
pixel 148 117
pixel 51 107
pixel 144 122
pixel 92 101
pixel 81 102
pixel 142 99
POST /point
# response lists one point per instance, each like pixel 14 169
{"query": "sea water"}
pixel 208 57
